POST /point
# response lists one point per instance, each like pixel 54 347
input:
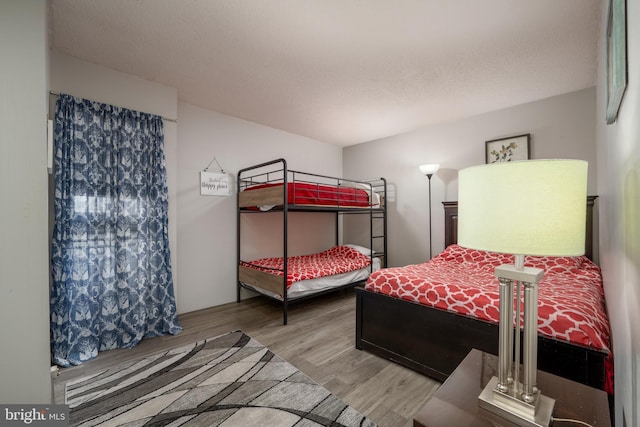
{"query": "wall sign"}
pixel 214 184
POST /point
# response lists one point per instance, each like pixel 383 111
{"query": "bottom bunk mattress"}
pixel 461 281
pixel 308 274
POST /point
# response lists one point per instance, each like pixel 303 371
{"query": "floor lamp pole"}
pixel 428 170
pixel 430 248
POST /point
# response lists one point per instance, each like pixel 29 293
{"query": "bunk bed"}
pixel 273 187
pixel 449 305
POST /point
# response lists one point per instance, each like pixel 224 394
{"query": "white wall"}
pixel 618 148
pixel 207 224
pixel 560 127
pixel 90 81
pixel 24 283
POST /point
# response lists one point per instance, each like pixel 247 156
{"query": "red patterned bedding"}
pixel 571 297
pixel 301 193
pixel 336 260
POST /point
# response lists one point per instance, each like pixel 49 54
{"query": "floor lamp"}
pixel 429 170
pixel 534 207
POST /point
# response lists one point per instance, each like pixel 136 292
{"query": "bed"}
pixel 273 187
pixel 422 324
pixel 309 274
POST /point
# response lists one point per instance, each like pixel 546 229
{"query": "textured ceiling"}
pixel 341 71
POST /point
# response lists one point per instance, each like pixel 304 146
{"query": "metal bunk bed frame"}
pixel 284 175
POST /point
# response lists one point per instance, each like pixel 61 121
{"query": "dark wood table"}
pixel 456 401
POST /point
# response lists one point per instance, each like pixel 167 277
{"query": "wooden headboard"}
pixel 451 225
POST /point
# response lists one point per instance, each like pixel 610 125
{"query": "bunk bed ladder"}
pixel 380 214
pixel 285 243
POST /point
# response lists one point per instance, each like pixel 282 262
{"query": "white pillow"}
pixel 361 249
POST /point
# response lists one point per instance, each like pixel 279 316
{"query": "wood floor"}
pixel 319 340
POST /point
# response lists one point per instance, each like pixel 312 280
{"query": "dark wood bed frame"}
pixel 433 341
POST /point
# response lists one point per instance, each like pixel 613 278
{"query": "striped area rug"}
pixel 227 381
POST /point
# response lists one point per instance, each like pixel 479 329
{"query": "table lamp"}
pixel 533 207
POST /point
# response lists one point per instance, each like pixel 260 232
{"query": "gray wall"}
pixel 24 282
pixel 560 127
pixel 618 148
pixel 207 224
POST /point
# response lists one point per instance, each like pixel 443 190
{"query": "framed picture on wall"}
pixel 507 149
pixel 616 57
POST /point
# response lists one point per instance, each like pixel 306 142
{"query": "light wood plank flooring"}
pixel 319 340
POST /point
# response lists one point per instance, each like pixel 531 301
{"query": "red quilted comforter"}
pixel 302 193
pixel 336 260
pixel 571 297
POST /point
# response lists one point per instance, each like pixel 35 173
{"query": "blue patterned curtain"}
pixel 112 282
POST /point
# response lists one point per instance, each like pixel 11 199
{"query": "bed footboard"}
pixel 434 342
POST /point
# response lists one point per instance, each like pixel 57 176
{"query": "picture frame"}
pixel 508 149
pixel 616 57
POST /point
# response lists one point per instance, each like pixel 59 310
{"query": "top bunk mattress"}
pixel 265 196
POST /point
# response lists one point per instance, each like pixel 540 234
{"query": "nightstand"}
pixel 456 401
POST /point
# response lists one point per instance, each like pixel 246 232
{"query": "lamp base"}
pixel 505 406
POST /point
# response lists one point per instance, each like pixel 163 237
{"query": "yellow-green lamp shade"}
pixel 533 207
